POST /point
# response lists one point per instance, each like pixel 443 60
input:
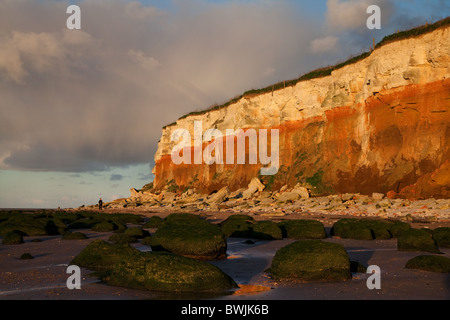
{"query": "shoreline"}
pixel 44 277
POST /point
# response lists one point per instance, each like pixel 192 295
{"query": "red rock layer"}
pixel 398 140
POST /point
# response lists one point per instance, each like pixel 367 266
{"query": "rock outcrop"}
pixel 381 124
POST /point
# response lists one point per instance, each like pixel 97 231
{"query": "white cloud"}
pixel 91 99
pixel 325 44
pixel 144 61
pixel 352 14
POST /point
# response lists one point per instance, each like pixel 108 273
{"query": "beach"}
pixel 44 277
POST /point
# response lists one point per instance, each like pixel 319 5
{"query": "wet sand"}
pixel 44 277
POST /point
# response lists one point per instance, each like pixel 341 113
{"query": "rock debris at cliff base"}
pixel 285 202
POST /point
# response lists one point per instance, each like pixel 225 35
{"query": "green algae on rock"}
pixel 303 229
pixel 238 225
pixel 266 230
pixel 351 229
pixel 69 235
pixel 201 240
pixel 442 237
pixel 12 238
pixel 121 238
pixel 100 255
pixel 369 228
pixel 153 222
pixel 163 271
pixel 311 260
pixel 26 256
pixel 429 263
pixel 417 240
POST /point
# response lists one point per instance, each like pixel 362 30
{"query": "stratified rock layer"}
pixel 379 125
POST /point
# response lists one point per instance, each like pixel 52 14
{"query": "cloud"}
pixel 116 177
pixel 352 14
pixel 143 61
pixel 92 99
pixel 325 44
pixel 96 98
pixel 144 177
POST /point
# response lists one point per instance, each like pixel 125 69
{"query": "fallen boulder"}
pixel 254 186
pixel 219 196
pixel 288 196
pixel 302 191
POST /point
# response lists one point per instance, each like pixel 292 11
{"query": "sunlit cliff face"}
pixel 379 125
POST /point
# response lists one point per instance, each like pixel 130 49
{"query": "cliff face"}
pixel 381 124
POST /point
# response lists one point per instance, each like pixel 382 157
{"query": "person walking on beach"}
pixel 100 204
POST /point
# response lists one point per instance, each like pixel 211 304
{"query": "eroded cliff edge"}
pixel 379 125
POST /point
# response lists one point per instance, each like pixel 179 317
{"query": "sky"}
pixel 81 111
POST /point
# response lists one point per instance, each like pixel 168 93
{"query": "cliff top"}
pixel 326 71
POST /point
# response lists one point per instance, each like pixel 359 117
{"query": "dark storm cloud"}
pixel 89 100
pixel 116 177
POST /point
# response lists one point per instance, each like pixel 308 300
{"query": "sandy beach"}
pixel 44 277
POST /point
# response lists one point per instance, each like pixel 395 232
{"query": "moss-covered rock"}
pixel 417 240
pixel 136 232
pixel 122 238
pixel 162 271
pixel 238 225
pixel 311 260
pixel 104 226
pixel 100 255
pixel 12 238
pixel 153 222
pixel 368 229
pixel 83 223
pixel 429 263
pixel 303 229
pixel 266 230
pixel 147 241
pixel 380 228
pixel 67 217
pixel 442 237
pixel 396 228
pixel 69 235
pixel 32 224
pixel 357 267
pixel 123 218
pixel 200 239
pixel 183 218
pixel 351 229
pixel 26 256
pixel 25 230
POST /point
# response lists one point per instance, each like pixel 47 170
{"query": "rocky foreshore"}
pixel 258 201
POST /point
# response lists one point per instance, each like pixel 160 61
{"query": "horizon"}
pixel 83 110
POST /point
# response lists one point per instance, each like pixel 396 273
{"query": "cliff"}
pixel 381 124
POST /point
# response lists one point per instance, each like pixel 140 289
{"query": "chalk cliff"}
pixel 378 125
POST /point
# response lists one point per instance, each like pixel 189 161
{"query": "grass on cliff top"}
pixel 326 71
